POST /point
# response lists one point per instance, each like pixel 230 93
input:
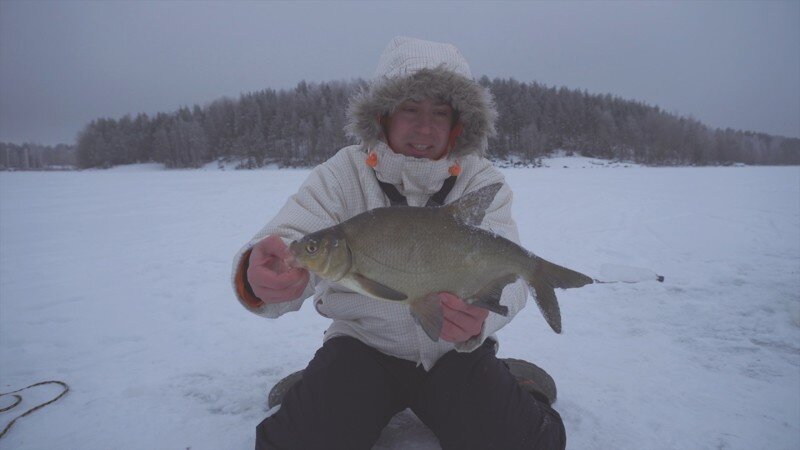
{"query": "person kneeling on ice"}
pixel 423 126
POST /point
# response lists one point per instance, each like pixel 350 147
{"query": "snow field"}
pixel 117 282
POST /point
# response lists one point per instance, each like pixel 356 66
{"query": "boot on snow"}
pixel 279 390
pixel 533 379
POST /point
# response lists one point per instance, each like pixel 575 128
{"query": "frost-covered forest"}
pixel 304 126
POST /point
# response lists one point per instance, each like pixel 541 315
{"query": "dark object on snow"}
pixel 533 379
pixel 279 390
pixel 530 377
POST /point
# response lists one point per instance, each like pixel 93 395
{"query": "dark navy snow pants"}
pixel 350 391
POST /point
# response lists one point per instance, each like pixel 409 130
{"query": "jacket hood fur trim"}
pixel 472 103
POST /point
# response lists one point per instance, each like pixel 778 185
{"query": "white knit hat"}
pixel 404 56
pixel 413 69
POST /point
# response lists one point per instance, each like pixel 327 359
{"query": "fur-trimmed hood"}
pixel 415 69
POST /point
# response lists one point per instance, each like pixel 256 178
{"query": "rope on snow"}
pixel 18 399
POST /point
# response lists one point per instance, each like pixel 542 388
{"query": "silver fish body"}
pixel 410 254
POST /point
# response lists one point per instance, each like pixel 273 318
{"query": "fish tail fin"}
pixel 543 277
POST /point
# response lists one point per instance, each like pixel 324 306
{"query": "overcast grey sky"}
pixel 63 63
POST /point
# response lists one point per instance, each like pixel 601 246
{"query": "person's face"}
pixel 420 129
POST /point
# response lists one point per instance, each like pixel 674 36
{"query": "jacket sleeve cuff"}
pixel 243 289
pixel 492 323
pixel 254 304
pixel 515 298
pixel 473 342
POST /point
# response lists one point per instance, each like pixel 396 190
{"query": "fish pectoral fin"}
pixel 471 207
pixel 489 296
pixel 377 289
pixel 427 311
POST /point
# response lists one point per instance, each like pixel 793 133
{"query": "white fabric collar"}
pixel 412 176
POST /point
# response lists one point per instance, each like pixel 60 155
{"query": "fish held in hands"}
pixel 410 254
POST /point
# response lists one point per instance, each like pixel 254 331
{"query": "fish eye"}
pixel 312 247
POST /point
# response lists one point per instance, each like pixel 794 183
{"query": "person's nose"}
pixel 425 123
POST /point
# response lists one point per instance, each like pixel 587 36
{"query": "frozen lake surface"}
pixel 117 282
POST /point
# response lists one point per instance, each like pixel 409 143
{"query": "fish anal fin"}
pixel 471 207
pixel 489 296
pixel 543 278
pixel 427 311
pixel 377 289
pixel 547 302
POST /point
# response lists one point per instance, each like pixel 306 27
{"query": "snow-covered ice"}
pixel 117 282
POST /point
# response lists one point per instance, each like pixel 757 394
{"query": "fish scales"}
pixel 423 250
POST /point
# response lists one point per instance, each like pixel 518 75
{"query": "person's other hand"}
pixel 272 279
pixel 461 320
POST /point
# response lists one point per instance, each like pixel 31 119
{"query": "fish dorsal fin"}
pixel 471 207
pixel 377 289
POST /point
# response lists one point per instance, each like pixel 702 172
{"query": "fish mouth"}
pixel 291 257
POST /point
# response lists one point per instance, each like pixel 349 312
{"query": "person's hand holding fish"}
pixel 270 272
pixel 461 320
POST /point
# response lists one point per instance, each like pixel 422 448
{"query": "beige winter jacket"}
pixel 345 186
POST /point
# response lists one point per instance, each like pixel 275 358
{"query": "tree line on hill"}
pixel 304 126
pixel 36 157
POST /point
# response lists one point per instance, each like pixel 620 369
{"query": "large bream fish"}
pixel 410 254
